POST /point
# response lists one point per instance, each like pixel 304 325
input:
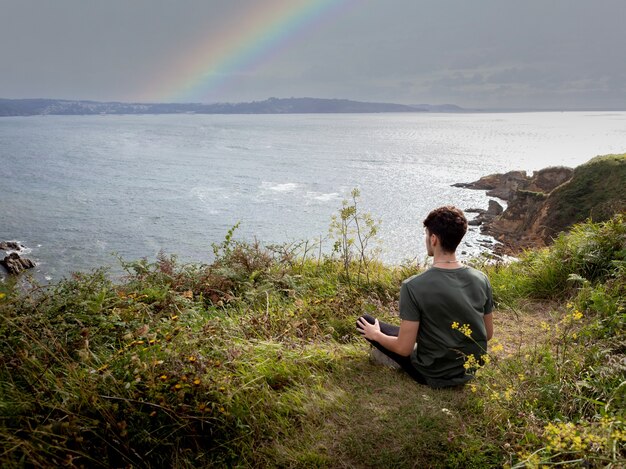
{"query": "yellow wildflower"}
pixel 497 348
pixel 463 328
pixel 470 362
pixel 567 437
pixel 619 435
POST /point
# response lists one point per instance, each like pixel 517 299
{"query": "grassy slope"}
pixel 596 190
pixel 381 418
pixel 253 362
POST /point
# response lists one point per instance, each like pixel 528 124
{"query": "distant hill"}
pixel 439 107
pixel 31 107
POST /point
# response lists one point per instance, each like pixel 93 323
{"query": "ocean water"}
pixel 75 189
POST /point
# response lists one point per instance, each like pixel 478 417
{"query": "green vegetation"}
pixel 596 190
pixel 252 361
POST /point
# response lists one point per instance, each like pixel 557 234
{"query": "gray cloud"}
pixel 491 53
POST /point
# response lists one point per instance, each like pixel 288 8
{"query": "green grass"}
pixel 252 361
pixel 596 190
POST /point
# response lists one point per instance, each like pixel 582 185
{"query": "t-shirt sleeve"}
pixel 409 309
pixel 488 308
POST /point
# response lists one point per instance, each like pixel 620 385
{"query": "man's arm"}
pixel 402 345
pixel 488 318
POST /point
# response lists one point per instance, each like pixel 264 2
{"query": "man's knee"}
pixel 368 318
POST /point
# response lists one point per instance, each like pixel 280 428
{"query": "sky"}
pixel 487 54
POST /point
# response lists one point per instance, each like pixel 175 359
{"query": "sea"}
pixel 80 191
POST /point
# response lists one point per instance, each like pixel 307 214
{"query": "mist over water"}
pixel 74 189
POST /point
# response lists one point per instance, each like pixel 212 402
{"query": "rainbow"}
pixel 239 46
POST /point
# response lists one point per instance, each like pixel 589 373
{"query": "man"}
pixel 446 310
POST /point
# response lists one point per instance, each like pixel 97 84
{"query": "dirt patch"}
pixel 522 326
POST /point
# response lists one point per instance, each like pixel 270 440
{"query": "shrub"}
pixel 592 252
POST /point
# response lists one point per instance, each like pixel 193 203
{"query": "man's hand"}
pixel 402 344
pixel 367 330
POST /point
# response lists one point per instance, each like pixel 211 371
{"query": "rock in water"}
pixel 16 264
pixel 495 209
pixel 9 246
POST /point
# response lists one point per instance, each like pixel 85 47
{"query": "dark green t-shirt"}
pixel 445 302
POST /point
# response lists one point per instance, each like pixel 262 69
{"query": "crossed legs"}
pixel 404 362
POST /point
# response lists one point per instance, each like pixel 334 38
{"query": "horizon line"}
pixel 416 105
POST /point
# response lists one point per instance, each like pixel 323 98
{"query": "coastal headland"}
pixel 548 202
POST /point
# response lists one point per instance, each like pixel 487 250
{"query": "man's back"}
pixel 449 305
pixel 446 311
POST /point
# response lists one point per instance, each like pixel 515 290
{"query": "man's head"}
pixel 448 224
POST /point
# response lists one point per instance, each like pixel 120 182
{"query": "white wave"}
pixel 285 187
pixel 208 194
pixel 323 197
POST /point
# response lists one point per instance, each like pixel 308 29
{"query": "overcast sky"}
pixel 564 54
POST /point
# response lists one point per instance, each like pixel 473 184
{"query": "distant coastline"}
pixel 34 107
pixel 69 107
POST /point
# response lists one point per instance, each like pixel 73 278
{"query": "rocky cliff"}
pixel 549 201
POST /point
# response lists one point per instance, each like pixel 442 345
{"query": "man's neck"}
pixel 445 260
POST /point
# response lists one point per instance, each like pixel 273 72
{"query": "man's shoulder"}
pixel 477 273
pixel 411 279
pixel 419 278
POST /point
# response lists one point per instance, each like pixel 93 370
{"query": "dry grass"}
pixel 521 327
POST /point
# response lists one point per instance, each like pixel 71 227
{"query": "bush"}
pixel 563 402
pixel 592 252
pixel 202 365
pixel 175 364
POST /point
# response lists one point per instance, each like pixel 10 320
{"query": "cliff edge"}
pixel 548 202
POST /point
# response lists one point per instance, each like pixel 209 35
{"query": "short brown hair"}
pixel 448 224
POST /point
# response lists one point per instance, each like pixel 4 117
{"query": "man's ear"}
pixel 434 240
